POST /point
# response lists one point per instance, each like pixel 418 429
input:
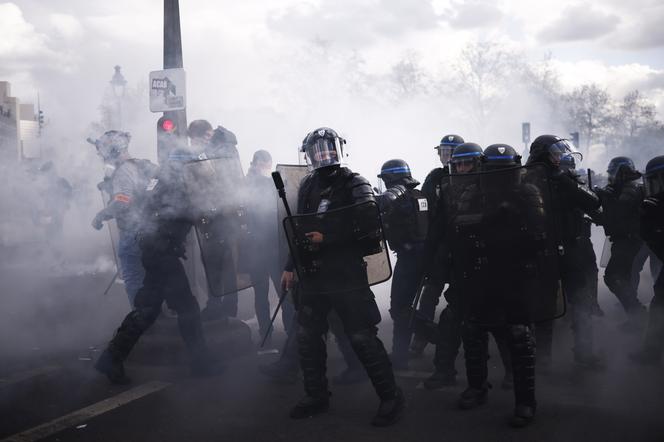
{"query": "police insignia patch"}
pixel 321 132
pixel 501 150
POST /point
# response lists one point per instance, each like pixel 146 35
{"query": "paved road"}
pixel 54 394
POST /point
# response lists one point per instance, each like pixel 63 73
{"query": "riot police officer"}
pixel 621 199
pixel 572 202
pixel 126 186
pixel 497 232
pixel 431 190
pixel 166 221
pixel 466 158
pixel 405 213
pixel 331 187
pixel 652 232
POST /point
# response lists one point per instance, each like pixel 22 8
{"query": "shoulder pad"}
pixel 360 188
pixel 395 192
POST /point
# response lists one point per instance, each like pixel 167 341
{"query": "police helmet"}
pixel 323 147
pixel 501 155
pixel 550 149
pixel 112 144
pixel 653 178
pixel 622 169
pixel 447 145
pixel 223 137
pixel 396 170
pixel 466 158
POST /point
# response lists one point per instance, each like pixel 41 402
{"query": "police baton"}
pixel 279 184
pixel 110 284
pixel 416 301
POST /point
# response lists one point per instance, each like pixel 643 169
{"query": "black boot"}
pixel 447 349
pixel 473 397
pixel 390 410
pixel 310 406
pixel 372 354
pixel 112 368
pixel 523 416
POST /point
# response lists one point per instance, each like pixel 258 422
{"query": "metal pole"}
pixel 173 59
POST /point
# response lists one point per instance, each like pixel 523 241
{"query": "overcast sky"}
pixel 240 56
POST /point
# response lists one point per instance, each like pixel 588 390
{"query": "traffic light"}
pixel 165 125
pixel 575 139
pixel 166 138
pixel 40 118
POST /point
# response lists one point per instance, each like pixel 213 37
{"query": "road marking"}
pixel 25 375
pixel 78 417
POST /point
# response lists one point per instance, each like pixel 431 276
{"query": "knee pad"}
pixel 362 338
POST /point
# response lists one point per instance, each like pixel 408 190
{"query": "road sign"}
pixel 525 133
pixel 168 90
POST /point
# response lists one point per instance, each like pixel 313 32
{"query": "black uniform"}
pixel 571 202
pixel 339 187
pixel 432 291
pixel 167 222
pixel 498 238
pixel 405 216
pixel 652 232
pixel 620 204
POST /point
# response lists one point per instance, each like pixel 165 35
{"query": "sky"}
pixel 273 70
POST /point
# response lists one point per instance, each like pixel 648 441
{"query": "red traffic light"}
pixel 168 125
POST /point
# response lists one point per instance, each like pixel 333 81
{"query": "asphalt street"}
pixel 49 391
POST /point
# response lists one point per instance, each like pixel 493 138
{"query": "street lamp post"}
pixel 118 84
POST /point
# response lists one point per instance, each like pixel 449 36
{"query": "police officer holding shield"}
pixel 572 203
pixel 166 221
pixel 652 231
pixel 621 199
pixel 318 248
pixel 432 191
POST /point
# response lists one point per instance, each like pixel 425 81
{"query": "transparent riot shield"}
pixel 606 253
pixel 504 244
pixel 214 188
pixel 352 255
pixel 292 175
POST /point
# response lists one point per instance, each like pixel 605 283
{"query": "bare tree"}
pixel 636 112
pixel 482 73
pixel 590 111
pixel 407 78
pixel 543 81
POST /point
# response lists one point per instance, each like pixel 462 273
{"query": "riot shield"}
pixel 215 193
pixel 353 254
pixel 504 245
pixel 606 253
pixel 292 175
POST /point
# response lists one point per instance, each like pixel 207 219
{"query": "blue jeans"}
pixel 131 267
